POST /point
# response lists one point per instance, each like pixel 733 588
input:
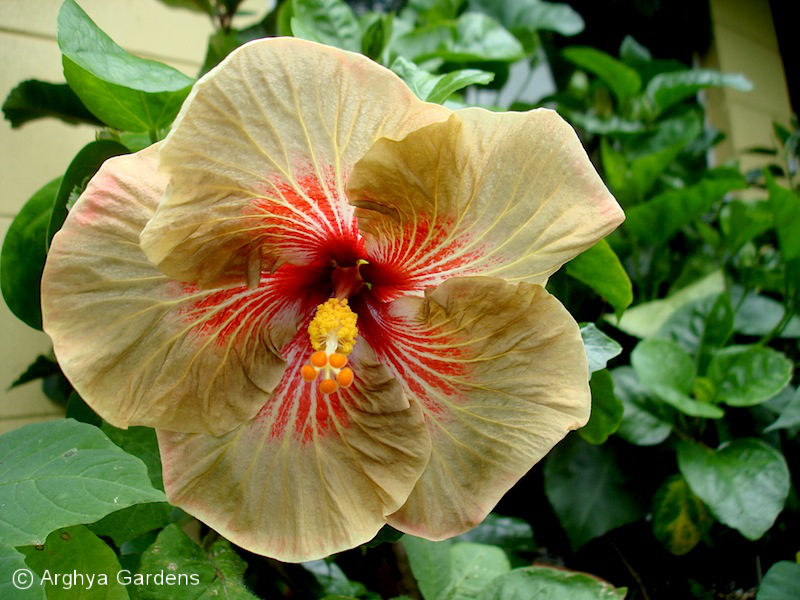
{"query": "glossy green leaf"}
pixel 330 22
pixel 122 90
pixel 786 214
pixel 437 88
pixel 376 35
pixel 129 523
pixel 218 570
pixel 141 442
pixel 82 168
pixel 667 89
pixel 431 565
pixel 76 550
pixel 745 482
pixel 749 375
pixel 613 125
pixel 600 269
pixel 63 473
pixel 588 490
pixel 32 100
pixel 645 422
pixel 509 533
pixel 680 519
pixel 386 535
pixel 606 410
pixel 332 580
pixel 547 583
pixel 525 17
pixel 600 348
pixel 757 315
pixel 782 582
pixel 11 562
pixel 789 416
pixel 668 372
pixel 24 253
pixel 620 78
pixel 742 222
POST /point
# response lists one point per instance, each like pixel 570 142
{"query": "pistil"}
pixel 333 335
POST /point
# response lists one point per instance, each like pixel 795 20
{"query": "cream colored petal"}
pixel 142 349
pixel 510 195
pixel 311 474
pixel 501 373
pixel 260 154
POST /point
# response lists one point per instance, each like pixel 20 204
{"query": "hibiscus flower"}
pixel 327 297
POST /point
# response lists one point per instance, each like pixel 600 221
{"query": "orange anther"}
pixel 328 386
pixel 308 372
pixel 338 360
pixel 345 377
pixel 319 359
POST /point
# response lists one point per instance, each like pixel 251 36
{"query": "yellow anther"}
pixel 333 328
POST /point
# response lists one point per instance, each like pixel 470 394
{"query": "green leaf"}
pixel 749 375
pixel 606 410
pixel 376 35
pixel 613 125
pixel 742 222
pixel 620 78
pixel 644 421
pixel 786 214
pixel 510 533
pixel 141 442
pixel 78 552
pixel 82 168
pixel 600 269
pixel 654 222
pixel 667 89
pixel 474 566
pixel 631 51
pixel 123 91
pixel 431 565
pixel 386 535
pixel 32 100
pixel 11 562
pixel 330 22
pixel 24 253
pixel 129 523
pixel 217 571
pixel 525 17
pixel 63 473
pixel 332 579
pixel 680 519
pixel 790 415
pixel 758 315
pixel 587 490
pixel 600 348
pixel 668 371
pixel 745 482
pixel 437 88
pixel 203 6
pixel 39 369
pixel 546 583
pixel 782 582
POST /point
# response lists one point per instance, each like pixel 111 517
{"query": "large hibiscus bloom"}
pixel 326 295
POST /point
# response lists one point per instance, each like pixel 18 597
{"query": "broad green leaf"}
pixel 141 442
pixel 786 214
pixel 474 566
pixel 744 482
pixel 742 222
pixel 376 35
pixel 632 52
pixel 547 583
pixel 620 78
pixel 600 269
pixel 613 125
pixel 437 88
pixel 424 11
pixel 32 100
pixel 749 375
pixel 13 562
pixel 680 519
pixel 129 523
pixel 80 411
pixel 615 169
pixel 757 315
pixel 332 580
pixel 657 220
pixel 39 369
pixel 386 535
pixel 600 348
pixel 24 253
pixel 77 550
pixel 668 371
pixel 330 22
pixel 646 319
pixel 218 570
pixel 782 582
pixel 645 422
pixel 431 565
pixel 682 128
pixel 525 17
pixel 510 533
pixel 123 91
pixel 82 168
pixel 587 490
pixel 606 410
pixel 790 415
pixel 667 89
pixel 63 473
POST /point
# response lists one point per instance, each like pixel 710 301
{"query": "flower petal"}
pixel 259 156
pixel 143 349
pixel 501 374
pixel 510 195
pixel 311 474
